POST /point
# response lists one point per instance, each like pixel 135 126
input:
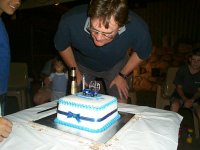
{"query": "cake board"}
pixel 98 137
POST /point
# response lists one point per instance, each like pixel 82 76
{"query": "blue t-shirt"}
pixel 5 58
pixel 71 33
pixel 59 82
pixel 189 82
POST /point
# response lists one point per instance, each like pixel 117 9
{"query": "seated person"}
pixel 5 128
pixel 58 80
pixel 43 95
pixel 187 81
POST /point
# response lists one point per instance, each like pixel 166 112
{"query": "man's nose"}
pixel 99 36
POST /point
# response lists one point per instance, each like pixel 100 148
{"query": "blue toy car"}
pixel 90 92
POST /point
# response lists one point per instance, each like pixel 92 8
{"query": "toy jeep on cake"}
pixel 93 90
pixel 90 92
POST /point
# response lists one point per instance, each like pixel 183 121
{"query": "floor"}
pixel 183 145
pixel 142 101
pixel 187 123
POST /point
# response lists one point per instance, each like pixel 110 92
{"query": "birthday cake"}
pixel 89 113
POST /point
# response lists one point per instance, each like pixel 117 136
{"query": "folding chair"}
pixel 18 83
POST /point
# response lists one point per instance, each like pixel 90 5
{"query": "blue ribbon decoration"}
pixel 78 117
pixel 71 115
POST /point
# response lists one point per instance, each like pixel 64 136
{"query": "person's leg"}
pixel 175 105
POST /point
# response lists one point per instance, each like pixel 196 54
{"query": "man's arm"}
pixel 69 59
pixel 132 63
pixel 120 82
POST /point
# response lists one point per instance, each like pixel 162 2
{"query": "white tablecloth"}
pixel 149 129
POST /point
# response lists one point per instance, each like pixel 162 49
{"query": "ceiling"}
pixel 26 4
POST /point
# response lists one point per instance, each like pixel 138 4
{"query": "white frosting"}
pixel 89 107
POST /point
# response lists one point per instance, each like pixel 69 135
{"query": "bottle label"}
pixel 73 81
pixel 73 87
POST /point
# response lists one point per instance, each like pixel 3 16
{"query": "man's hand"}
pixel 78 76
pixel 122 87
pixel 5 128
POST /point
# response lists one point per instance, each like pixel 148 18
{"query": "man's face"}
pixel 9 6
pixel 100 34
pixel 195 62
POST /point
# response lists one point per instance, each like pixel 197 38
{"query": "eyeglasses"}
pixel 96 32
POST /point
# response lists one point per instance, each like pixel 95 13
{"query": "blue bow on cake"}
pixel 72 115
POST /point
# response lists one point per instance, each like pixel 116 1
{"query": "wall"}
pixel 177 19
pixel 31 31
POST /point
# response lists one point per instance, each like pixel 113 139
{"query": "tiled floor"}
pixel 142 100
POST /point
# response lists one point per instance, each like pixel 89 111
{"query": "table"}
pixel 149 129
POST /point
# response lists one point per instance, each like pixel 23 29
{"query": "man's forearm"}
pixel 68 57
pixel 132 63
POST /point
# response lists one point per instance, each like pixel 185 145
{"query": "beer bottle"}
pixel 73 81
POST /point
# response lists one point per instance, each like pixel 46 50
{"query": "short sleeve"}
pixel 62 36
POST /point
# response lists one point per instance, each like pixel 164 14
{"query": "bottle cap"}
pixel 73 71
pixel 73 68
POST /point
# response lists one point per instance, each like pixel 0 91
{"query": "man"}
pixel 96 40
pixel 187 81
pixel 9 7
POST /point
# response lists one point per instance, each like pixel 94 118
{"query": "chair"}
pixel 18 83
pixel 164 91
pixel 131 92
pixel 132 98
